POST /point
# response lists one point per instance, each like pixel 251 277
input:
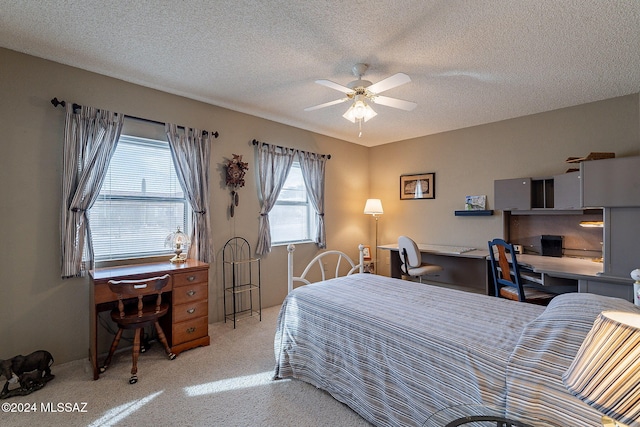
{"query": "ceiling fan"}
pixel 362 92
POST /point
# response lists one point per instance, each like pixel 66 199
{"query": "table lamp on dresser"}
pixel 605 373
pixel 178 241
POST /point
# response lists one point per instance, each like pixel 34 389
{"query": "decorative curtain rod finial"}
pixel 55 103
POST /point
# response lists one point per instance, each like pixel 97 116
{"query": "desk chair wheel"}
pixel 103 369
pixel 133 379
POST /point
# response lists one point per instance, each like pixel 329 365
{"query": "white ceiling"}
pixel 471 62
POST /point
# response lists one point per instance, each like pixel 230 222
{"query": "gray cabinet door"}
pixel 611 182
pixel 512 194
pixel 567 191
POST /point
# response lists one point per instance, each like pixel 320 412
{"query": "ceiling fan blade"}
pixel 389 83
pixel 334 85
pixel 326 104
pixel 395 103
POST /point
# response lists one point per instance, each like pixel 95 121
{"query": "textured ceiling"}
pixel 471 62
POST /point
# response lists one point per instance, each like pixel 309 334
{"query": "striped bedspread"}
pixel 397 351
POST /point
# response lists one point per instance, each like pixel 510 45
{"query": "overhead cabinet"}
pixel 512 194
pixel 611 182
pixel 567 191
pixel 523 194
pixel 560 192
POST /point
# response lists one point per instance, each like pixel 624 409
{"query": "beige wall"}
pixel 40 310
pixel 467 161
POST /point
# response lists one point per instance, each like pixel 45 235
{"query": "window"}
pixel 292 218
pixel 140 203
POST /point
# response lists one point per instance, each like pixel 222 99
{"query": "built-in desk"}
pixel 464 267
pixel 470 269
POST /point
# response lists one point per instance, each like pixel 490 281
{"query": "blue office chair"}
pixel 507 278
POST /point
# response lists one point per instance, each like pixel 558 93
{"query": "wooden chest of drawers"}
pixel 189 310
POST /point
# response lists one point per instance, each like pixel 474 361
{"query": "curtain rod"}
pixel 55 103
pixel 256 142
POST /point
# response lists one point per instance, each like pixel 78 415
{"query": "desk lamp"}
pixel 374 207
pixel 177 241
pixel 606 371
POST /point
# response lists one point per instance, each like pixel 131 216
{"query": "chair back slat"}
pixel 505 267
pixel 138 288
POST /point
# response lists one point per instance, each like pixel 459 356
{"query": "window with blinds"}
pixel 140 203
pixel 291 218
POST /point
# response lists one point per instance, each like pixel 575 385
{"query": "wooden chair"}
pixel 138 313
pixel 411 260
pixel 508 280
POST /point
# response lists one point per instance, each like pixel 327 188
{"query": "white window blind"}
pixel 140 202
pixel 291 218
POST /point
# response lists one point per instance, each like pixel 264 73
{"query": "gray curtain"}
pixel 191 153
pixel 274 164
pixel 90 138
pixel 313 169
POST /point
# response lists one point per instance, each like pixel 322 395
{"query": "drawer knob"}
pixel 191 310
pixel 191 293
pixel 191 330
pixel 191 278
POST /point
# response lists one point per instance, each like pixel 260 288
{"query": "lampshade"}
pixel 359 111
pixel 373 207
pixel 178 241
pixel 606 371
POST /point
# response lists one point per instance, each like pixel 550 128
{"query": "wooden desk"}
pixel 186 324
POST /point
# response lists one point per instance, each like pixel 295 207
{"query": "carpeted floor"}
pixel 225 384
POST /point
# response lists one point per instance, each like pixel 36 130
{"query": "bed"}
pixel 397 351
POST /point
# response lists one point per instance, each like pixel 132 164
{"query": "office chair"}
pixel 411 260
pixel 136 313
pixel 507 279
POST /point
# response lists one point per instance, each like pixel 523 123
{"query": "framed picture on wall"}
pixel 366 253
pixel 418 186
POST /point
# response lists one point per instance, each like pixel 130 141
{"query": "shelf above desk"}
pixel 474 213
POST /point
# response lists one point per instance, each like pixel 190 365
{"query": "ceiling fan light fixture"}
pixel 359 111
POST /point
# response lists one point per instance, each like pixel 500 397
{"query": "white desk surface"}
pixel 447 250
pixel 562 266
pixel 572 268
